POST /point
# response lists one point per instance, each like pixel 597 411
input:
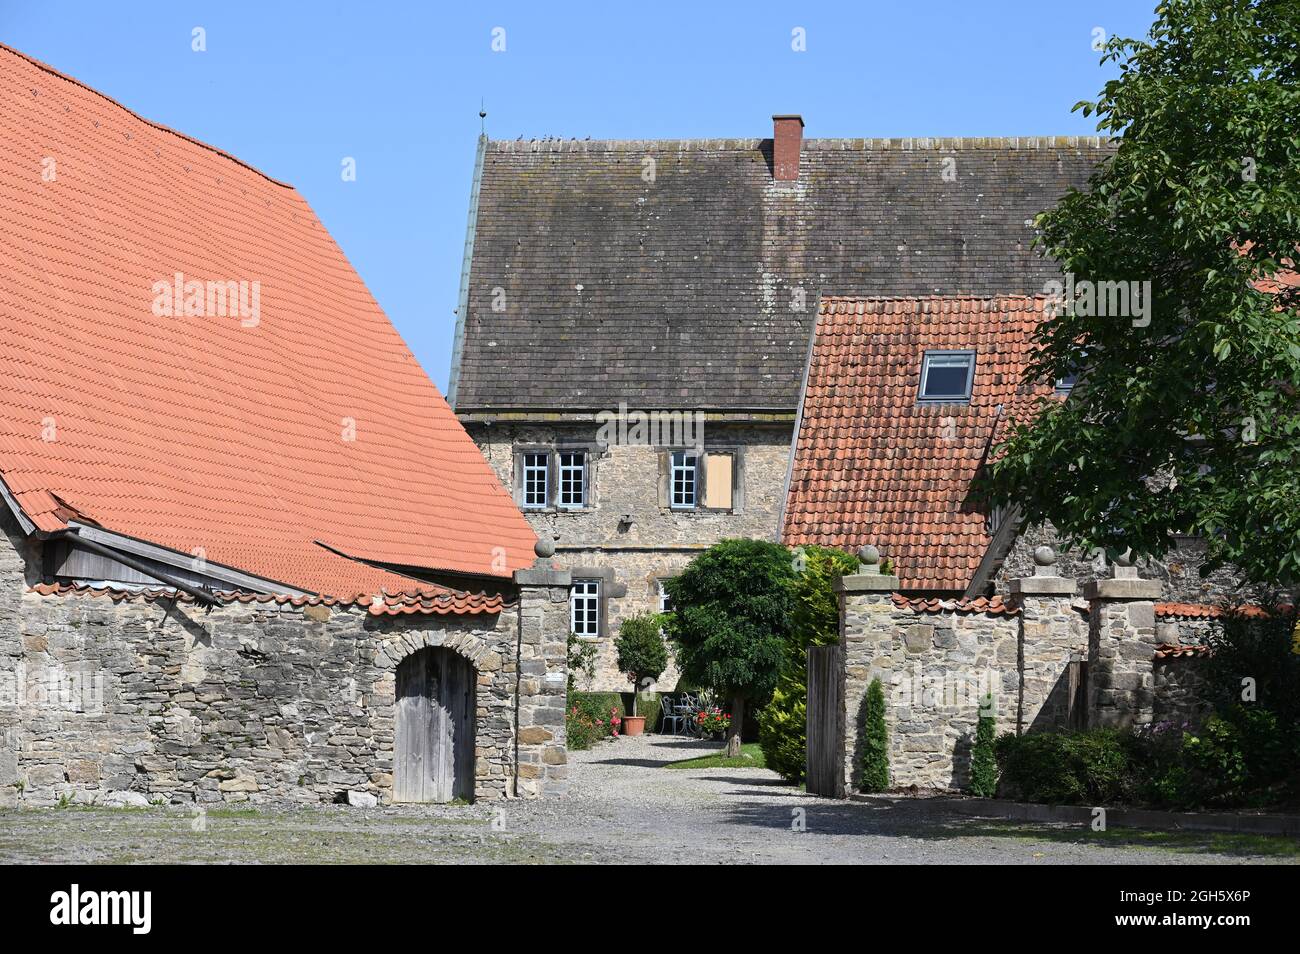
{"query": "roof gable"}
pixel 270 440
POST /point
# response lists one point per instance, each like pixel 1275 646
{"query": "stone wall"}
pixel 657 542
pixel 938 659
pixel 134 699
pixel 935 668
pixel 1178 571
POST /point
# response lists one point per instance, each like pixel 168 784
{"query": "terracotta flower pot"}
pixel 633 725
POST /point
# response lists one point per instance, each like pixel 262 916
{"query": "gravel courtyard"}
pixel 625 807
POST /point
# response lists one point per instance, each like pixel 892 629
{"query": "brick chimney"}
pixel 787 137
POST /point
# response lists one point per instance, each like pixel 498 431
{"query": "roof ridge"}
pixel 846 144
pixel 958 296
pixel 45 67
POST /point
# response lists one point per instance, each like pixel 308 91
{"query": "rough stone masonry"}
pixel 143 697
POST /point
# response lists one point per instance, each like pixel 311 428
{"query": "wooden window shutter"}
pixel 719 470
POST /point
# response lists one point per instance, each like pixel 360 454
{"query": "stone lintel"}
pixel 1124 589
pixel 866 583
pixel 543 576
pixel 1042 586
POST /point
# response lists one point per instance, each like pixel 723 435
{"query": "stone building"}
pixel 635 320
pixel 248 552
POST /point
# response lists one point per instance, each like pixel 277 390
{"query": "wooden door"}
pixel 434 750
pixel 825 726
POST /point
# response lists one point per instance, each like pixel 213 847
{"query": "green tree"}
pixel 782 723
pixel 642 652
pixel 1186 414
pixel 983 758
pixel 731 622
pixel 875 740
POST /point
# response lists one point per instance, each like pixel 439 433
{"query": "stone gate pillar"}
pixel 866 633
pixel 1121 647
pixel 541 756
pixel 1051 633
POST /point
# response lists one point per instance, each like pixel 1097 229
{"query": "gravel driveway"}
pixel 624 807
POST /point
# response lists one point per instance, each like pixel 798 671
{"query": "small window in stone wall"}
pixel 584 608
pixel 535 483
pixel 709 480
pixel 573 479
pixel 547 478
pixel 685 476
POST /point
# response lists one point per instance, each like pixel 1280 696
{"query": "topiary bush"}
pixel 815 621
pixel 983 761
pixel 641 651
pixel 875 740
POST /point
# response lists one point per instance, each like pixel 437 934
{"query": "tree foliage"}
pixel 983 757
pixel 782 724
pixel 875 740
pixel 641 651
pixel 1185 418
pixel 732 608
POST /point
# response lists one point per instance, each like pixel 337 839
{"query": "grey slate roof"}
pixel 677 293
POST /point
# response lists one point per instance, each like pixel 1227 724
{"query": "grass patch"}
pixel 1224 843
pixel 751 756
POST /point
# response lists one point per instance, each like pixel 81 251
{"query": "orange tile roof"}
pixel 1202 611
pixel 1177 650
pixel 991 607
pixel 443 602
pixel 871 464
pixel 265 443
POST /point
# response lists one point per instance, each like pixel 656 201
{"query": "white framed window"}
pixel 535 472
pixel 1064 385
pixel 665 601
pixel 584 608
pixel 573 479
pixel 684 477
pixel 947 376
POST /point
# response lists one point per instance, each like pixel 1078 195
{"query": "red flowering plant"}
pixel 712 721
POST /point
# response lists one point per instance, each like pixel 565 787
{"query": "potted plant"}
pixel 712 722
pixel 643 655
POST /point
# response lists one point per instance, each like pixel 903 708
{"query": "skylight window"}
pixel 946 376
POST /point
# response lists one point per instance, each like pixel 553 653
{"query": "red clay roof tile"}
pixel 214 433
pixel 872 465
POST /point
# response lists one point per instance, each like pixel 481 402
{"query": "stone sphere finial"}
pixel 869 554
pixel 1125 558
pixel 1044 555
pixel 544 547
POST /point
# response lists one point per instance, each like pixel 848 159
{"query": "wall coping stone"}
pixel 1123 589
pixel 543 576
pixel 1042 586
pixel 865 583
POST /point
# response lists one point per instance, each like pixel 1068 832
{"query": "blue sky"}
pixel 294 88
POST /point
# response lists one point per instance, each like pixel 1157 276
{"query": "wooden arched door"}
pixel 433 759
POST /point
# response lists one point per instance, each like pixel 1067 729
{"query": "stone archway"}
pixel 433 758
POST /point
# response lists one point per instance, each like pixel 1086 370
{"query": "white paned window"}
pixel 665 601
pixel 535 481
pixel 573 479
pixel 584 608
pixel 684 474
